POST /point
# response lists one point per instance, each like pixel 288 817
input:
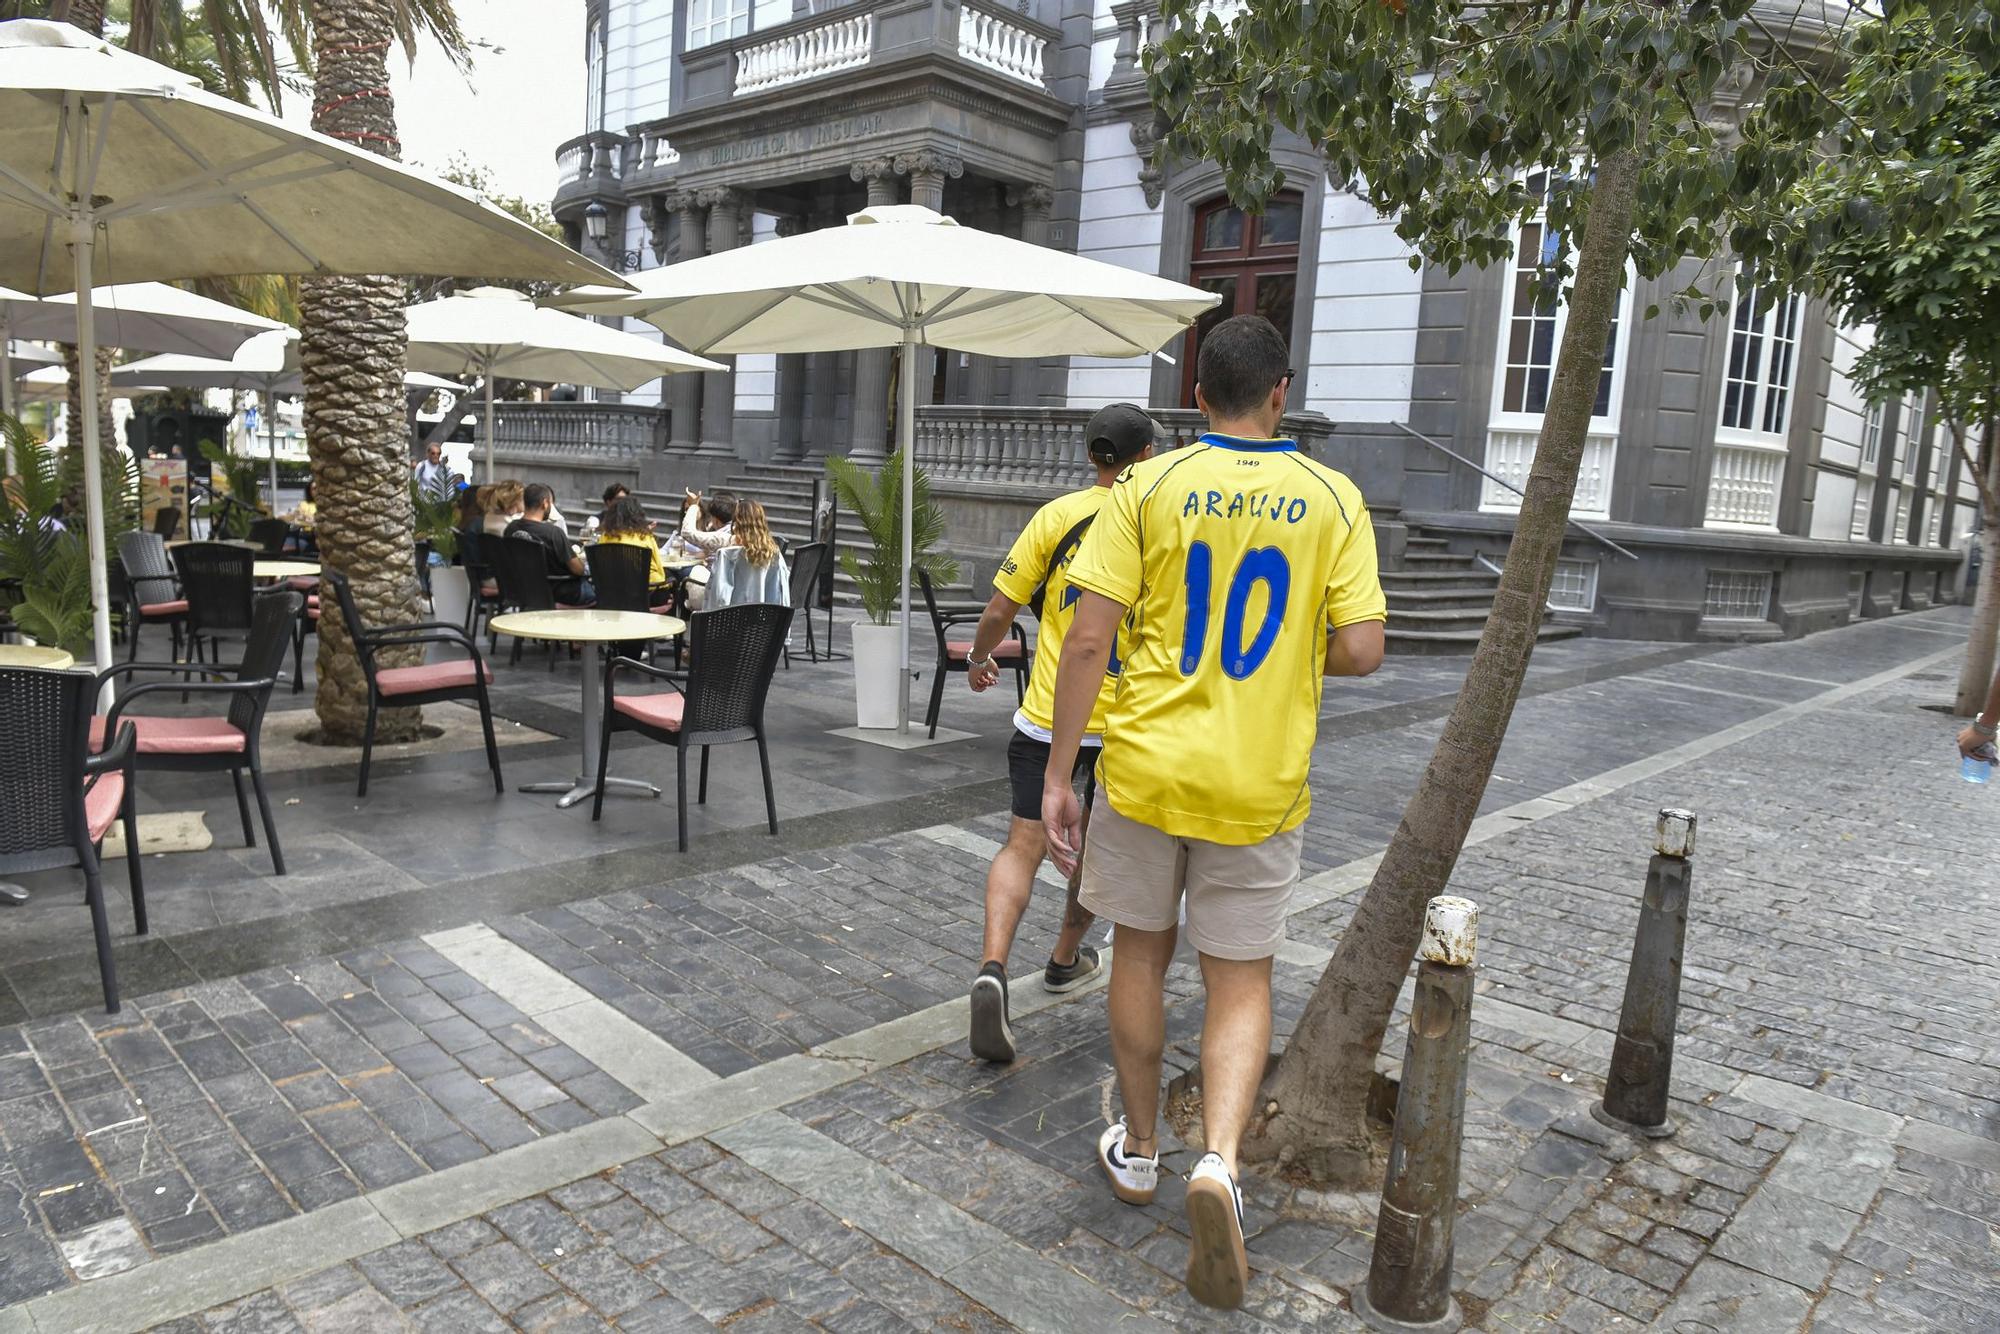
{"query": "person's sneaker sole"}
pixel 1218 1268
pixel 1072 981
pixel 992 1035
pixel 1129 1194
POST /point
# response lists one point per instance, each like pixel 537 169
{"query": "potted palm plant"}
pixel 44 567
pixel 450 590
pixel 876 500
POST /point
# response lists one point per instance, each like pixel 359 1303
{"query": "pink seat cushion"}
pixel 962 648
pixel 178 607
pixel 312 601
pixel 304 583
pixel 175 736
pixel 430 676
pixel 662 711
pixel 489 589
pixel 101 803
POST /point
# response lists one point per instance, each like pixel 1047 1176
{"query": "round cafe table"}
pixel 274 568
pixel 49 659
pixel 589 625
pixel 34 655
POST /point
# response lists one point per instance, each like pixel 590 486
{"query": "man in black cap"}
pixel 1034 575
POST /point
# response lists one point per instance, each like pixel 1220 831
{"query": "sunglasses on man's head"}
pixel 1286 378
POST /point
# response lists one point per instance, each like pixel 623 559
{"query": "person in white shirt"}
pixel 708 524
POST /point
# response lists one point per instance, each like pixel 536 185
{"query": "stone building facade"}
pixel 1735 483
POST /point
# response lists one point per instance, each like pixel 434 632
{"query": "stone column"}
pixel 1038 382
pixel 928 168
pixel 869 440
pixel 790 445
pixel 718 391
pixel 684 391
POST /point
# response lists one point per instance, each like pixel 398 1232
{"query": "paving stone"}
pixel 462 1310
pixel 1788 1236
pixel 407 1273
pixel 540 1228
pixel 605 1282
pixel 1742 1301
pixel 264 1313
pixel 505 1275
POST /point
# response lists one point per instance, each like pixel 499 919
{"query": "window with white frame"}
pixel 593 85
pixel 1914 431
pixel 1574 587
pixel 1864 506
pixel 1871 434
pixel 1763 358
pixel 1737 595
pixel 711 21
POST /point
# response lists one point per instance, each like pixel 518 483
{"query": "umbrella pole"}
pixel 906 442
pixel 6 396
pixel 489 424
pixel 271 435
pixel 83 238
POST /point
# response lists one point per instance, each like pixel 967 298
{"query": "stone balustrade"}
pixel 1043 447
pixel 840 44
pixel 577 431
pixel 992 41
pixel 570 162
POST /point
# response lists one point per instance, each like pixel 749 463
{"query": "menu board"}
pixel 163 484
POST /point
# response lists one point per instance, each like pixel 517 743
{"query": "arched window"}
pixel 593 86
pixel 1252 260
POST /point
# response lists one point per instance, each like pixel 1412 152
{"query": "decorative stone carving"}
pixel 1033 199
pixel 659 215
pixel 1152 176
pixel 724 197
pixel 929 162
pixel 875 169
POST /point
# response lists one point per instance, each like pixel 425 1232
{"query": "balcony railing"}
pixel 1743 487
pixel 837 45
pixel 1044 447
pixel 596 156
pixel 986 39
pixel 577 431
pixel 571 160
pixel 1510 454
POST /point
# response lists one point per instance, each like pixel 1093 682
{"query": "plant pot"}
pixel 876 675
pixel 451 594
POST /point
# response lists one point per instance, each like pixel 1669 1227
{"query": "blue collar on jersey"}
pixel 1254 446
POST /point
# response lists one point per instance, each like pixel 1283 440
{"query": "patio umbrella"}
pixel 499 331
pixel 903 275
pixel 118 169
pixel 140 317
pixel 49 384
pixel 267 365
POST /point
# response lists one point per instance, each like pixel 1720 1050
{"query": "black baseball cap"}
pixel 1119 433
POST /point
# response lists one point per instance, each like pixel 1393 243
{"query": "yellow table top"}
pixel 34 655
pixel 283 569
pixel 588 625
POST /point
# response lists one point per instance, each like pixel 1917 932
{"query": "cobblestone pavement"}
pixel 741 1099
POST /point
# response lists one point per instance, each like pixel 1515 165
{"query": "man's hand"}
pixel 982 676
pixel 1969 741
pixel 1062 824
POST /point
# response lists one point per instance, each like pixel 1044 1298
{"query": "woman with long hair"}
pixel 624 523
pixel 752 567
pixel 753 534
pixel 503 506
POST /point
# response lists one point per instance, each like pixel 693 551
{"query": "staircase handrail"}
pixel 1451 453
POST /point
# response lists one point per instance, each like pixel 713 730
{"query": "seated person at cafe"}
pixel 503 503
pixel 565 561
pixel 625 523
pixel 708 524
pixel 611 496
pixel 757 575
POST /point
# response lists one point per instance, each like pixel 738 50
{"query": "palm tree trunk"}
pixel 1318 1095
pixel 352 351
pixel 1975 677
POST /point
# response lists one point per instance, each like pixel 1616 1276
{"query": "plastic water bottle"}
pixel 1978 766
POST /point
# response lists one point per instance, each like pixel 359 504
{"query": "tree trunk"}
pixel 352 352
pixel 85 14
pixel 1321 1086
pixel 1976 677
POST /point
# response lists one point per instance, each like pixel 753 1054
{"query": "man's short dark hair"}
pixel 615 490
pixel 1241 361
pixel 537 496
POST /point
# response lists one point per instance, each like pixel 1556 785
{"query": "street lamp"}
pixel 597 227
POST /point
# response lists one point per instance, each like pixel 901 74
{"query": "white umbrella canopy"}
pixel 114 167
pixel 50 384
pixel 904 275
pixel 498 331
pixel 24 357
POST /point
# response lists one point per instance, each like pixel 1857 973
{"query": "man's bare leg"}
pixel 1009 883
pixel 1235 1046
pixel 1137 1005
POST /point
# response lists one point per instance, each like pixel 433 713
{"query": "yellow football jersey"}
pixel 1234 558
pixel 1027 561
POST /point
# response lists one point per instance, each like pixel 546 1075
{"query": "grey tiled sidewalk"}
pixel 644 1146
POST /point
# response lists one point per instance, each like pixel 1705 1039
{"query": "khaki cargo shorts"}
pixel 1237 897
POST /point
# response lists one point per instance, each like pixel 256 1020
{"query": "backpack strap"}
pixel 1071 540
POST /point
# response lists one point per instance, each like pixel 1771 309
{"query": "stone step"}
pixel 1439 642
pixel 1416 543
pixel 1446 579
pixel 1439 560
pixel 1404 599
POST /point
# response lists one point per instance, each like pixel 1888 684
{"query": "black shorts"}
pixel 1028 760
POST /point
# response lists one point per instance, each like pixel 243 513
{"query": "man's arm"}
pixel 1086 652
pixel 1982 729
pixel 993 625
pixel 1354 650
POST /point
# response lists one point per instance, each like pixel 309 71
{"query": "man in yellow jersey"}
pixel 1035 572
pixel 1248 572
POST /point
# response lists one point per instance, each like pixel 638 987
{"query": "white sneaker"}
pixel 1133 1180
pixel 1218 1268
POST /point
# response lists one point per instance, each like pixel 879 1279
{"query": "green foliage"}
pixel 436 521
pixel 55 599
pixel 241 476
pixel 1441 111
pixel 52 565
pixel 876 499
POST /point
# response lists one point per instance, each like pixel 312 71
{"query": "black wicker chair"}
pixel 60 799
pixel 808 566
pixel 212 743
pixel 430 683
pixel 522 566
pixel 166 522
pixel 718 700
pixel 216 580
pixel 623 577
pixel 485 588
pixel 954 654
pixel 151 588
pixel 270 534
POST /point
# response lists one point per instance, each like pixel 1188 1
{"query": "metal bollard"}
pixel 1409 1275
pixel 1642 1056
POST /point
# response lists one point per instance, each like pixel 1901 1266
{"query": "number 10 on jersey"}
pixel 1266 565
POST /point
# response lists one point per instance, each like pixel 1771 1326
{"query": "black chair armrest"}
pixel 676 679
pixel 373 631
pixel 124 748
pixel 457 639
pixel 252 687
pixel 177 668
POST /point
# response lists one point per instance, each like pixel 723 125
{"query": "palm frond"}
pixel 877 502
